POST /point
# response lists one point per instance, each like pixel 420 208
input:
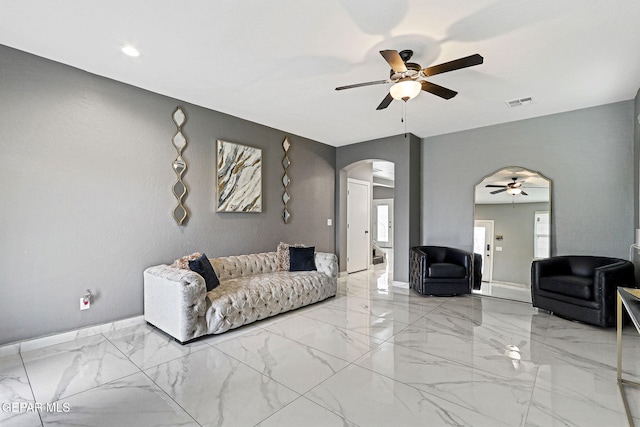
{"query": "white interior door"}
pixel 383 222
pixel 358 220
pixel 483 244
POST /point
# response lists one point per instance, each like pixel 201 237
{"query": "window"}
pixel 541 241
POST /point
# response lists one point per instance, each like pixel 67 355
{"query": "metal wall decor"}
pixel 285 180
pixel 179 188
pixel 239 178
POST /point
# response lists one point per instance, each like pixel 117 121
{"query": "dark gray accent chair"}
pixel 580 287
pixel 439 270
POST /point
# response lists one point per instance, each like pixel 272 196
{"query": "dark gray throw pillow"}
pixel 203 267
pixel 302 259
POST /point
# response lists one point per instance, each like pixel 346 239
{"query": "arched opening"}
pixel 369 219
pixel 404 152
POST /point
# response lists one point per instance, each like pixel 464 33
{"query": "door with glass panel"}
pixel 483 244
pixel 383 222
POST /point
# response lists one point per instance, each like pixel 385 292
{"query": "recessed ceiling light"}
pixel 130 51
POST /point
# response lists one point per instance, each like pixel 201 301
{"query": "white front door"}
pixel 358 220
pixel 383 222
pixel 483 244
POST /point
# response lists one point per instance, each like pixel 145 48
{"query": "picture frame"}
pixel 238 177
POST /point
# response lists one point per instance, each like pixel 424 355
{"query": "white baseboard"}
pixel 404 285
pixel 33 344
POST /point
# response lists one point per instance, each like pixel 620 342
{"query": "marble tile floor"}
pixel 511 291
pixel 375 355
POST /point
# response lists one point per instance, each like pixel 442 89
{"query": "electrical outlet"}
pixel 329 222
pixel 85 303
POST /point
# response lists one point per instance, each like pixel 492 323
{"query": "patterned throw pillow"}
pixel 282 255
pixel 183 263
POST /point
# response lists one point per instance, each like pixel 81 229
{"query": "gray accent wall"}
pixel 87 199
pixel 383 192
pixel 404 152
pixel 516 223
pixel 588 155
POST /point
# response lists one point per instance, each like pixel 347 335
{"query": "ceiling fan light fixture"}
pixel 405 90
pixel 514 191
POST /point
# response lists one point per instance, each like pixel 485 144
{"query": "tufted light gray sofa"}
pixel 251 288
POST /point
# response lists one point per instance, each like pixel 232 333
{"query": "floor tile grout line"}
pixel 171 397
pixel 194 350
pixel 150 379
pixel 24 367
pixel 286 338
pixel 424 391
pixel 91 388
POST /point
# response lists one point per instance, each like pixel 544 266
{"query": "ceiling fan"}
pixel 514 188
pixel 409 78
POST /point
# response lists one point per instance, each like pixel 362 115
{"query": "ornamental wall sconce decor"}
pixel 286 215
pixel 180 212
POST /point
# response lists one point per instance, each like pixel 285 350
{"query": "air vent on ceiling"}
pixel 519 102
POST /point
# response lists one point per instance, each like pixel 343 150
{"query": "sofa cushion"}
pixel 573 286
pixel 243 300
pixel 446 270
pixel 203 267
pixel 302 259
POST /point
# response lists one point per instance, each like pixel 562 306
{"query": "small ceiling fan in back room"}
pixel 409 78
pixel 514 188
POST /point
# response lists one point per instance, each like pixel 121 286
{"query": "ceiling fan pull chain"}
pixel 404 117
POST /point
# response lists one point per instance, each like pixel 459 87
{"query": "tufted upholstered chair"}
pixel 579 287
pixel 439 270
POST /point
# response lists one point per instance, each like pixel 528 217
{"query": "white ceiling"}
pixel 277 62
pixel 384 172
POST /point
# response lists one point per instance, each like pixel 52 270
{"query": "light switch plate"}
pixel 329 222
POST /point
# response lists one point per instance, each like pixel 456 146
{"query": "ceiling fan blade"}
pixel 377 82
pixel 495 185
pixel 456 64
pixel 498 191
pixel 524 193
pixel 440 91
pixel 385 102
pixel 394 59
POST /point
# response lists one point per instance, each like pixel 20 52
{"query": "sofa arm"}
pixel 606 281
pixel 608 277
pixel 175 301
pixel 328 264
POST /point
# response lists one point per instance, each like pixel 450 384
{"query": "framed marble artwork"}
pixel 238 178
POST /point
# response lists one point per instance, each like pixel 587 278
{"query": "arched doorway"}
pixel 369 213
